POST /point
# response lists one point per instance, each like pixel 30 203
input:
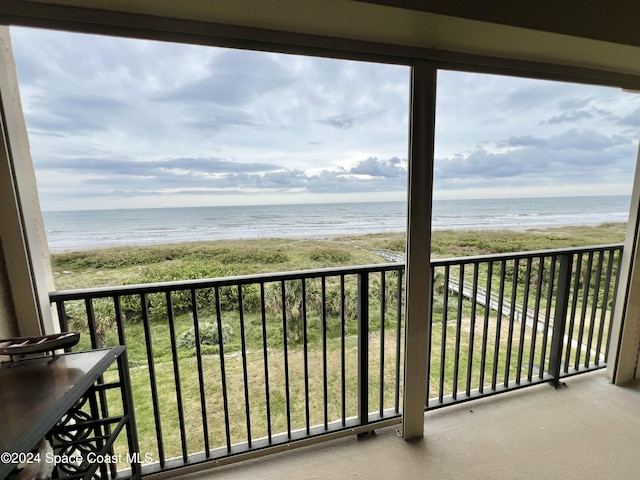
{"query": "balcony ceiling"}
pixel 573 32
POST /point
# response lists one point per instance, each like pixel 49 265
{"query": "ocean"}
pixel 71 230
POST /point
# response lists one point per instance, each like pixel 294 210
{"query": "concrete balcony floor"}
pixel 589 430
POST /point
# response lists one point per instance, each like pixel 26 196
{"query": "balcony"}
pixel 295 358
pixel 588 430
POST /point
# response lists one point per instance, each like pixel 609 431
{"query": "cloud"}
pixel 575 103
pixel 341 122
pixel 221 120
pixel 339 181
pixel 345 121
pixel 234 78
pixel 67 115
pixel 585 140
pixel 127 167
pixel 531 94
pixel 525 141
pixel 632 119
pixel 572 156
pixel 214 176
pixel 394 167
pixel 569 116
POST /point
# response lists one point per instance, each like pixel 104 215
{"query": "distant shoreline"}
pixel 533 229
pixel 80 230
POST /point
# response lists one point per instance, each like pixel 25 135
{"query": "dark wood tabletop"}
pixel 35 393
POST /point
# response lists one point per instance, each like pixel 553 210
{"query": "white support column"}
pixel 418 275
pixel 22 234
pixel 624 344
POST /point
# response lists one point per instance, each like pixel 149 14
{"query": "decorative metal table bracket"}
pixel 74 416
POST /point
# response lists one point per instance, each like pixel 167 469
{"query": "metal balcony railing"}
pixel 227 366
pixel 513 320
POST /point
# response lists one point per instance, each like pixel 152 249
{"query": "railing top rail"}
pixel 441 262
pixel 220 281
pixel 136 289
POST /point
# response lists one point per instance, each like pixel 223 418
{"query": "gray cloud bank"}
pixel 197 176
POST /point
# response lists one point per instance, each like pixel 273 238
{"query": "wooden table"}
pixel 36 393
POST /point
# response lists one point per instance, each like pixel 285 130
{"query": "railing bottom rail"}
pixel 462 397
pixel 261 447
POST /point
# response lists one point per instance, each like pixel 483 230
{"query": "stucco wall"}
pixel 8 326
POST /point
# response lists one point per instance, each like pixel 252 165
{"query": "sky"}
pixel 124 123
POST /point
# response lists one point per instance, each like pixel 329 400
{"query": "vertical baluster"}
pixel 605 308
pixel 176 374
pixel 583 314
pixel 547 316
pixel 62 316
pixel 485 331
pixel 63 319
pixel 363 348
pixel 536 318
pixel 383 308
pixel 305 354
pixel 572 316
pixel 245 373
pixel 144 305
pixel 443 344
pixel 560 317
pixel 91 323
pixel 399 340
pixel 325 381
pixel 265 359
pixel 285 348
pixel 101 396
pixel 456 359
pixel 129 411
pixel 343 361
pixel 613 303
pixel 472 327
pixel 512 319
pixel 203 400
pixel 117 310
pixel 525 318
pixel 496 350
pixel 223 371
pixel 594 307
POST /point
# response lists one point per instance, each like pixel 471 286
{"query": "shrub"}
pixel 330 256
pixel 119 257
pixel 104 318
pixel 253 256
pixel 208 333
pixel 293 304
pixel 181 299
pixel 390 290
pixel 334 301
